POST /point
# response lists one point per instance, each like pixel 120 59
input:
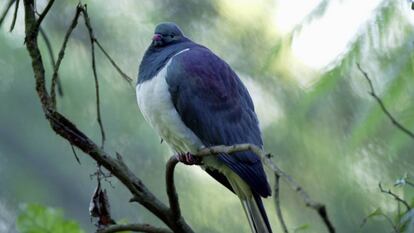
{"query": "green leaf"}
pixel 36 218
pixel 301 228
pixel 376 212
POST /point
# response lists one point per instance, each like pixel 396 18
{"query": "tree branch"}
pixel 52 61
pixel 396 197
pixel 123 75
pixel 55 78
pixel 44 13
pixel 277 204
pixel 133 227
pixel 75 154
pixel 6 10
pixel 266 159
pixel 31 32
pixel 16 9
pixel 171 192
pixel 62 54
pixel 95 74
pixel 381 104
pixel 117 168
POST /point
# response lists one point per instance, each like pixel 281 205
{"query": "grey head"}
pixel 165 34
pixel 168 39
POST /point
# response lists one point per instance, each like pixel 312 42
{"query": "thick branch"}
pixel 171 192
pixel 31 32
pixel 381 104
pixel 133 227
pixel 117 167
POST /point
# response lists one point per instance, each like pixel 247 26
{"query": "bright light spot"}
pixel 290 13
pixel 245 11
pixel 322 41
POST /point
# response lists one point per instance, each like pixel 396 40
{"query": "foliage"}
pixel 402 219
pixel 36 218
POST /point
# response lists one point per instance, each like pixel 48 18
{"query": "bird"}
pixel 193 99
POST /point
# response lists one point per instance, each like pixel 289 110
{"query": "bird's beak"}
pixel 156 40
pixel 156 37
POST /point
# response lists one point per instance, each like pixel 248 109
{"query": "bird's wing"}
pixel 212 102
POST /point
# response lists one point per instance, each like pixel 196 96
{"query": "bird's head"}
pixel 166 34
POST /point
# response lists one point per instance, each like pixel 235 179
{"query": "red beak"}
pixel 157 37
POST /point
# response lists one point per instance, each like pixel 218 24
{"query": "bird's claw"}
pixel 189 159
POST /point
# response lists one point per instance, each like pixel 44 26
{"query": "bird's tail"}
pixel 256 214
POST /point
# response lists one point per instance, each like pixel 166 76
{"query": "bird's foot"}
pixel 189 159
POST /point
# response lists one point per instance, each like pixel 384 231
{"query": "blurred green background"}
pixel 298 60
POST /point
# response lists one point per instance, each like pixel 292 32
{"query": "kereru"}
pixel 193 99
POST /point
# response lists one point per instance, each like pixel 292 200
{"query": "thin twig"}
pixel 74 153
pixel 389 220
pixel 133 227
pixel 381 104
pixel 62 54
pixel 396 197
pixel 95 74
pixel 171 192
pixel 123 75
pixel 277 204
pixel 318 207
pixel 52 59
pixel 44 13
pixel 394 227
pixel 409 183
pixel 16 9
pixel 6 10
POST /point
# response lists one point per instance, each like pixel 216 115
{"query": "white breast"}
pixel 154 101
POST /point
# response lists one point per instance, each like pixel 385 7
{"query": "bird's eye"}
pixel 172 36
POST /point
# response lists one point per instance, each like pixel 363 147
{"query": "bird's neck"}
pixel 156 58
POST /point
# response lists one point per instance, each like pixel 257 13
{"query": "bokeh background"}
pixel 298 60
